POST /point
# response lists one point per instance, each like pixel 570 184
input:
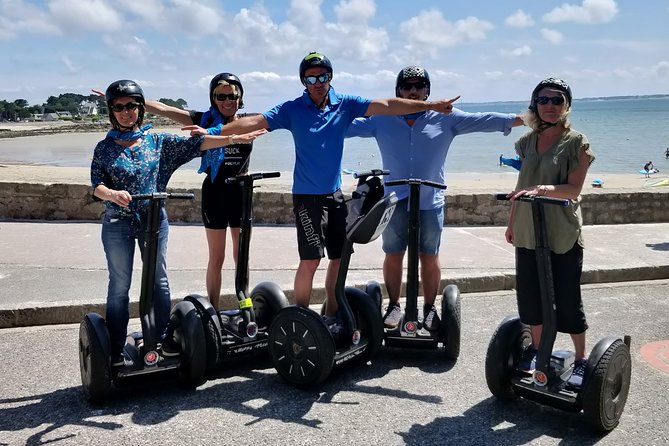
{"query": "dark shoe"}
pixel 122 361
pixel 168 348
pixel 576 378
pixel 431 319
pixel 528 360
pixel 334 324
pixel 393 316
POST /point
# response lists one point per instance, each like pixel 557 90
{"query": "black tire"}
pixel 189 335
pixel 366 314
pixel 451 324
pixel 373 290
pixel 94 358
pixel 504 352
pixel 606 384
pixel 301 347
pixel 210 327
pixel 268 299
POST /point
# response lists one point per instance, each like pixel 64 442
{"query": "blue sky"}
pixel 484 50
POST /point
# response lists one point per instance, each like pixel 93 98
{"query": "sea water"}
pixel 624 133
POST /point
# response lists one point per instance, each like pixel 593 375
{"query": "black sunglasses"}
pixel 555 100
pixel 223 96
pixel 130 106
pixel 311 80
pixel 408 86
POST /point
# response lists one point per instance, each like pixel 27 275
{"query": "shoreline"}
pixel 458 183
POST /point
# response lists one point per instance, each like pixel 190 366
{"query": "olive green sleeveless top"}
pixel 563 224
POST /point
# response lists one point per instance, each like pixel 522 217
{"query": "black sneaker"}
pixel 334 324
pixel 528 360
pixel 122 361
pixel 576 378
pixel 431 319
pixel 393 316
pixel 168 348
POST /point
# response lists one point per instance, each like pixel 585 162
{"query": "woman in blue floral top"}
pixel 131 160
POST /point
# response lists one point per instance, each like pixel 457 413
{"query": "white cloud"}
pixel 82 15
pixel 128 48
pixel 553 36
pixel 493 75
pixel 524 50
pixel 590 11
pixel 71 67
pixel 519 19
pixel 17 17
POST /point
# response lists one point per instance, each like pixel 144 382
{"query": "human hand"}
pixel 195 130
pixel 98 92
pixel 538 190
pixel 120 197
pixel 443 105
pixel 508 234
pixel 248 137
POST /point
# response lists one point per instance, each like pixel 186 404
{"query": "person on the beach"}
pixel 648 167
pixel 318 121
pixel 415 146
pixel 666 153
pixel 131 160
pixel 221 202
pixel 556 159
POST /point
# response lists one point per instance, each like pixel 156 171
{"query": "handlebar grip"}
pixel 416 181
pixel 532 198
pixel 164 196
pixel 252 177
pixel 371 173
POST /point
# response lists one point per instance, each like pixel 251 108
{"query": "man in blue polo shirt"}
pixel 318 121
pixel 415 146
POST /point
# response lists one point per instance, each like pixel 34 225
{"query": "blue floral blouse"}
pixel 142 169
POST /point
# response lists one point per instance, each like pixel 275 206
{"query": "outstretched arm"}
pixel 213 141
pixel 175 114
pixel 400 106
pixel 237 127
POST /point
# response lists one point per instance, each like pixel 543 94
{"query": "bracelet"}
pixel 231 141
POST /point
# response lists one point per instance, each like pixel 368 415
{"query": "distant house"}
pixel 64 114
pixel 50 117
pixel 87 108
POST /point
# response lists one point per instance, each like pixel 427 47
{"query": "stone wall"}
pixel 36 201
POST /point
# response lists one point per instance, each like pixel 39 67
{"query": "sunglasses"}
pixel 323 78
pixel 223 96
pixel 555 100
pixel 409 86
pixel 130 106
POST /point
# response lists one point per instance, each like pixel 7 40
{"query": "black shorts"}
pixel 321 224
pixel 221 203
pixel 567 270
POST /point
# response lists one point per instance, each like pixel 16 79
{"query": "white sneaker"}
pixel 393 316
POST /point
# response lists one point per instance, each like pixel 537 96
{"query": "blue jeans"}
pixel 118 239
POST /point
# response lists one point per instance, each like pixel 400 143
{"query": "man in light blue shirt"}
pixel 318 121
pixel 415 146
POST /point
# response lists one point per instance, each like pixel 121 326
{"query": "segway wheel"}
pixel 268 299
pixel 189 335
pixel 301 347
pixel 373 290
pixel 211 327
pixel 366 314
pixel 504 352
pixel 94 358
pixel 606 384
pixel 450 326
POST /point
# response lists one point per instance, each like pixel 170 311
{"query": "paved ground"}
pixel 56 272
pixel 405 397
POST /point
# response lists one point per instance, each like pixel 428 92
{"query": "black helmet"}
pixel 229 78
pixel 122 88
pixel 409 72
pixel 551 82
pixel 314 59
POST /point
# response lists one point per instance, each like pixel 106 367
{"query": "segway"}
pixel 185 328
pixel 410 332
pixel 606 382
pixel 242 331
pixel 302 348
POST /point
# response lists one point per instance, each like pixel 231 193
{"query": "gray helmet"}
pixel 231 79
pixel 551 82
pixel 410 72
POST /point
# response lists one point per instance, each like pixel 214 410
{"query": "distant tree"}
pixel 21 103
pixel 179 103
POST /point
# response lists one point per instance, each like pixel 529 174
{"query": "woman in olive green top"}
pixel 555 160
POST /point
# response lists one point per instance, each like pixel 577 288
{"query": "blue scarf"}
pixel 212 159
pixel 413 115
pixel 129 135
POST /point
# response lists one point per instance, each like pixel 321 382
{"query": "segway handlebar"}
pixel 410 181
pixel 252 177
pixel 535 198
pixel 164 196
pixel 370 173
